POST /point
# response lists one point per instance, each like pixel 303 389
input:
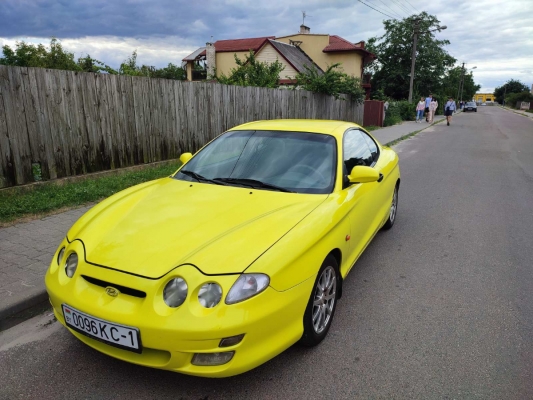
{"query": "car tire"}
pixel 393 211
pixel 322 303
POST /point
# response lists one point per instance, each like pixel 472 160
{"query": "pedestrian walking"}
pixel 420 107
pixel 428 101
pixel 449 109
pixel 433 109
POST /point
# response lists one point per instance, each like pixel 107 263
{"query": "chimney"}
pixel 305 29
pixel 210 56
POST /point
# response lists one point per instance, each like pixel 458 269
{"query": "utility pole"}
pixel 460 82
pixel 413 55
pixel 413 58
pixel 504 92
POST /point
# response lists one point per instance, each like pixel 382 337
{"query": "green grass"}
pixel 371 128
pixel 46 197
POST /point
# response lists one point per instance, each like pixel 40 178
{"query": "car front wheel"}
pixel 322 303
pixel 393 210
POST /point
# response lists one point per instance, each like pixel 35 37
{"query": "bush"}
pixel 250 72
pixel 333 82
pixel 399 111
pixel 514 99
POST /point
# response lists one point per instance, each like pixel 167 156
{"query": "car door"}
pixel 364 208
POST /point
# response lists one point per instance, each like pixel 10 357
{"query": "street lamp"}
pixel 413 56
pixel 462 83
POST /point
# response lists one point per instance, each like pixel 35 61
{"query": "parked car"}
pixel 470 106
pixel 238 255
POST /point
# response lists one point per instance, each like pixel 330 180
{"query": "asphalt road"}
pixel 440 307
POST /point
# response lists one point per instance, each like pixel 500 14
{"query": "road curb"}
pixel 23 306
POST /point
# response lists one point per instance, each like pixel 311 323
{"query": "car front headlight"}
pixel 175 292
pixel 71 264
pixel 248 285
pixel 209 295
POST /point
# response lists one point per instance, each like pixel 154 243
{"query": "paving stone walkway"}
pixel 26 250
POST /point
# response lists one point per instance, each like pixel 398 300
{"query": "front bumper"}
pixel 271 321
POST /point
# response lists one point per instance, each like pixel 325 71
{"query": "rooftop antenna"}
pixel 303 17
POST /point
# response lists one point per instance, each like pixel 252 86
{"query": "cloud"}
pixel 497 39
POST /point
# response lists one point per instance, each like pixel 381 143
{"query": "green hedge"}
pixel 399 111
pixel 514 99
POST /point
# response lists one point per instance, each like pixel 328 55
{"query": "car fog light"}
pixel 175 292
pixel 209 295
pixel 71 264
pixel 60 256
pixel 205 359
pixel 231 341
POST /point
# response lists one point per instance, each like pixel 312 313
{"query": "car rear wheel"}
pixel 393 210
pixel 322 303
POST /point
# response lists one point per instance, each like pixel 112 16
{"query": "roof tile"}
pixel 240 44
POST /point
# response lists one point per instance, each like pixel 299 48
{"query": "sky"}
pixel 494 36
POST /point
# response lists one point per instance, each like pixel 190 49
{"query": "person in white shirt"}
pixel 449 109
pixel 433 109
pixel 420 107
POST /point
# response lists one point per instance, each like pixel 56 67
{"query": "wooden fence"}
pixel 62 123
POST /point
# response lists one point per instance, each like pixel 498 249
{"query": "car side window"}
pixel 356 150
pixel 372 146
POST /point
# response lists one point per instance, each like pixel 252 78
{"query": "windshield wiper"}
pixel 253 183
pixel 199 177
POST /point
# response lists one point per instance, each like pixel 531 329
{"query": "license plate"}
pixel 124 337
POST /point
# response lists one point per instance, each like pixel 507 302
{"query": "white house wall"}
pixel 269 54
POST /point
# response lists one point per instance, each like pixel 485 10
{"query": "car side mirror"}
pixel 362 174
pixel 185 157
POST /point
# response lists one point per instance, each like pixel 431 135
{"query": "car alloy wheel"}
pixel 321 306
pixel 324 299
pixel 393 210
pixel 393 206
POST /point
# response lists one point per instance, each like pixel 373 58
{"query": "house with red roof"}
pixel 295 52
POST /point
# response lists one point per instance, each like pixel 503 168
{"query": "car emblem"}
pixel 111 291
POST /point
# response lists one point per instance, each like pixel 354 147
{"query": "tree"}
pixel 514 99
pixel 30 55
pixel 130 67
pixel 250 72
pixel 171 72
pixel 333 82
pixel 511 86
pixel 451 82
pixel 391 71
pixel 54 57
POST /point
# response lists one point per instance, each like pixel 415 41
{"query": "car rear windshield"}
pixel 296 161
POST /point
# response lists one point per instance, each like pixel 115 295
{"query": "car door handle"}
pixel 380 177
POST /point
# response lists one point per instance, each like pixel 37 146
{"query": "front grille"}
pixel 122 289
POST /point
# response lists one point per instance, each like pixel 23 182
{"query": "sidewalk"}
pixel 26 249
pixel 391 133
pixel 524 113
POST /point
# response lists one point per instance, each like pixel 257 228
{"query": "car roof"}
pixel 329 127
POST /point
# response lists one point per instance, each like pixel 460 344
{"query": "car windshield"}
pixel 470 104
pixel 271 160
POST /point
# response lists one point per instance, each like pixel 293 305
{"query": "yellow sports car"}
pixel 237 256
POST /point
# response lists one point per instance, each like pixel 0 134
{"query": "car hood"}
pixel 151 229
